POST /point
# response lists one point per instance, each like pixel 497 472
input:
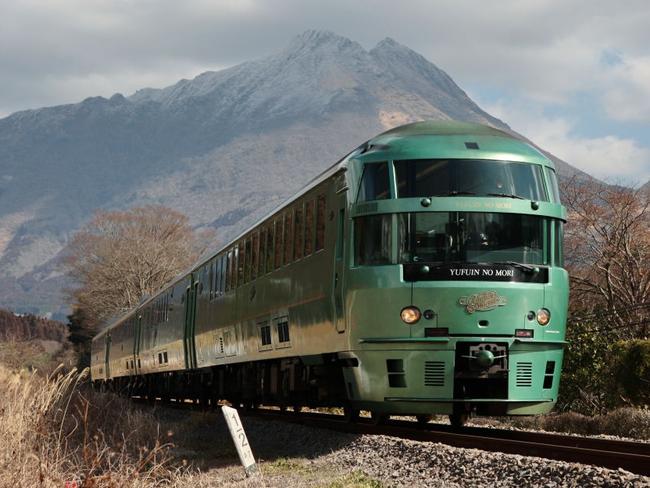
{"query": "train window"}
pixel 374 182
pixel 224 271
pixel 236 267
pixel 309 227
pixel 559 243
pixel 283 331
pixel 288 237
pixel 266 342
pixel 217 276
pixel 247 260
pixel 433 177
pixel 240 262
pixel 165 357
pixel 320 222
pixel 160 358
pixel 551 180
pixel 255 242
pixel 477 237
pixel 211 279
pixel 261 258
pixel 204 284
pixel 372 240
pixel 278 243
pixel 269 248
pixel 229 270
pixel 298 244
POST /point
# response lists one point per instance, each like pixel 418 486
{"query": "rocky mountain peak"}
pixel 315 40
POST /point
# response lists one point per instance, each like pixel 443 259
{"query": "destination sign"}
pixel 475 272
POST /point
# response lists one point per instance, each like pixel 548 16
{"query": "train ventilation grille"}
pixel 434 373
pixel 524 375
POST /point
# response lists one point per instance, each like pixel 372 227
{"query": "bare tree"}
pixel 121 256
pixel 608 254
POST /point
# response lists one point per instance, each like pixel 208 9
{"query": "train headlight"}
pixel 543 316
pixel 410 315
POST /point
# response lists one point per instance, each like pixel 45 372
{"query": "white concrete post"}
pixel 241 441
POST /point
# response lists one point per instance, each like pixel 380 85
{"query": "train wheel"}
pixel 350 414
pixel 424 419
pixel 458 419
pixel 377 418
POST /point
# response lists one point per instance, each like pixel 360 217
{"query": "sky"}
pixel 572 75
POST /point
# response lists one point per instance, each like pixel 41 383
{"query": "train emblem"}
pixel 484 301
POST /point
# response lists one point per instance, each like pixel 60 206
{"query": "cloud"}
pixel 612 158
pixel 545 53
pixel 546 50
pixel 627 93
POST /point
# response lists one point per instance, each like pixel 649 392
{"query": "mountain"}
pixel 223 147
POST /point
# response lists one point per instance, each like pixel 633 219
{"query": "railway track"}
pixel 612 454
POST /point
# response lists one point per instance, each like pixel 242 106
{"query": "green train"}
pixel 422 274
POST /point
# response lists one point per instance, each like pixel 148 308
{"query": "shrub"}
pixel 54 431
pixel 632 370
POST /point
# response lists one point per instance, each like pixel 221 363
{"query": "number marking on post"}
pixel 241 441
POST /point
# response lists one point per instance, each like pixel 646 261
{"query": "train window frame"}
pixel 361 229
pixel 553 188
pixel 321 212
pixel 365 179
pixel 282 332
pixel 264 333
pixel 489 177
pixel 310 208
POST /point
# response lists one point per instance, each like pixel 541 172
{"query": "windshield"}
pixel 452 237
pixel 437 177
pixel 440 237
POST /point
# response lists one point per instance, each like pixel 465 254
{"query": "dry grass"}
pixel 622 422
pixel 633 423
pixel 45 356
pixel 53 431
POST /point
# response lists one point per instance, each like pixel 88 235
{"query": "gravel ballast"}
pixel 297 455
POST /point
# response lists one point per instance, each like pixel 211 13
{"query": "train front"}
pixel 456 298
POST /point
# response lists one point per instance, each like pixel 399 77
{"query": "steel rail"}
pixel 607 453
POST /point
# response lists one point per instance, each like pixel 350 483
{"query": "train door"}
pixel 338 288
pixel 189 343
pixel 107 354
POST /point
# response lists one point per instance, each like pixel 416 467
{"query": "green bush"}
pixel 587 371
pixel 632 370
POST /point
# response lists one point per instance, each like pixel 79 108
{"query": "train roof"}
pixel 451 140
pixel 443 128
